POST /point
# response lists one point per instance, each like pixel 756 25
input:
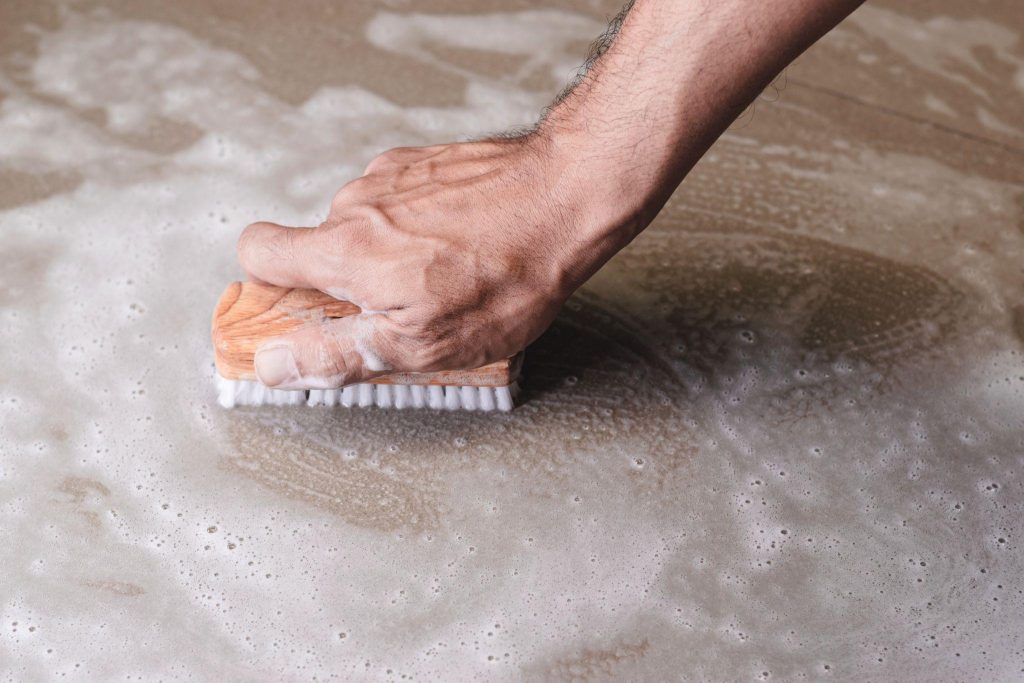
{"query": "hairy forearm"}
pixel 677 74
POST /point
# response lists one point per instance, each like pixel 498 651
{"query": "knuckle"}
pixel 329 232
pixel 343 240
pixel 351 192
pixel 385 159
pixel 333 243
pixel 395 153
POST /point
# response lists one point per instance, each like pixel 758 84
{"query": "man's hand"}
pixel 459 255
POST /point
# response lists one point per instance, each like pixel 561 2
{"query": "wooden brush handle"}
pixel 249 313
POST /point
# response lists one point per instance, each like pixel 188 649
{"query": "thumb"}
pixel 328 355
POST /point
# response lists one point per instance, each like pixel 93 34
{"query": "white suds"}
pixel 362 336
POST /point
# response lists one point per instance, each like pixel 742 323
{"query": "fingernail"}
pixel 275 366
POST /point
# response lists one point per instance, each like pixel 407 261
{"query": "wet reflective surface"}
pixel 781 436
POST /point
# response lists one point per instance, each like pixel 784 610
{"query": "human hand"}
pixel 458 255
pixel 461 254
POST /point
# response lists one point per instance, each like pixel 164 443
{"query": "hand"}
pixel 459 255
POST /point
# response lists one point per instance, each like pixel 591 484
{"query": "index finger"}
pixel 282 256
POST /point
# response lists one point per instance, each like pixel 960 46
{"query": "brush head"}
pixel 235 393
pixel 250 313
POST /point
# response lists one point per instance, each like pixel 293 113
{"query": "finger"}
pixel 282 256
pixel 324 356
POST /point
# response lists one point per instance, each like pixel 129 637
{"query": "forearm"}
pixel 678 73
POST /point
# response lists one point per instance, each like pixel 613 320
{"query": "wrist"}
pixel 593 206
pixel 617 185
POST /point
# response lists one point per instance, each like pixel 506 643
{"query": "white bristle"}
pixel 435 396
pixel 225 392
pixel 323 397
pixel 383 395
pixel 288 398
pixel 503 397
pixel 402 395
pixel 486 398
pixel 451 398
pixel 469 396
pixel 366 397
pixel 232 393
pixel 419 396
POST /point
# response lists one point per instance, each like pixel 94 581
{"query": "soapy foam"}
pixel 362 337
pixel 781 434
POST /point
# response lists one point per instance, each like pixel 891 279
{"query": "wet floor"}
pixel 780 437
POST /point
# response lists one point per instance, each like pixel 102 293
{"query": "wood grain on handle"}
pixel 250 313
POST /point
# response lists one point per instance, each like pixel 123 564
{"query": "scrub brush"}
pixel 250 313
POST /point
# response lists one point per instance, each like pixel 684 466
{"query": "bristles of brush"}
pixel 232 393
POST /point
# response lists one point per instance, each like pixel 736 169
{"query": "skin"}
pixel 462 254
